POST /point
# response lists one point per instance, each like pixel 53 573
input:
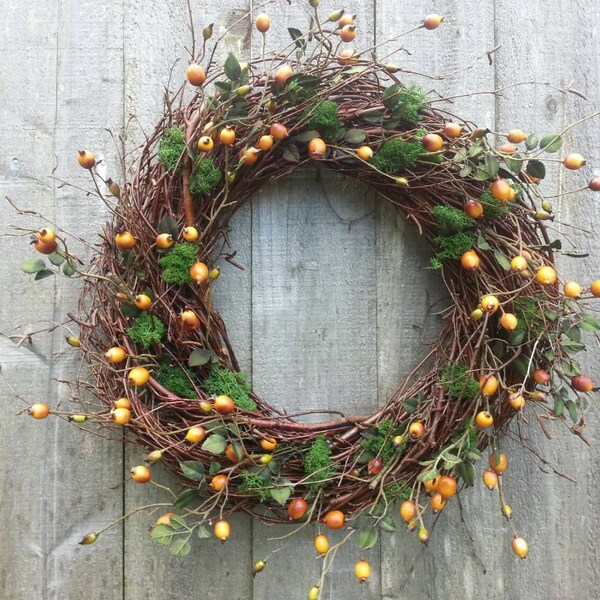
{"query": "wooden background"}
pixel 330 311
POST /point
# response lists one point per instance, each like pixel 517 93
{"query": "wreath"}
pixel 159 355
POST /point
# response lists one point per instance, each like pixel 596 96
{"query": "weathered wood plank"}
pixel 156 36
pixel 51 108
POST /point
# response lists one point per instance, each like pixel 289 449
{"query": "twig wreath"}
pixel 160 361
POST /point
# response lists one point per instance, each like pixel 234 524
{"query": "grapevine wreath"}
pixel 158 352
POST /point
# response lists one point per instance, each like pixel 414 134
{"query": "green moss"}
pixel 317 461
pixel 205 177
pixel 456 381
pixel 381 443
pixel 450 220
pixel 411 102
pixel 530 316
pixel 145 330
pixel 254 485
pixel 324 119
pixel 394 155
pixel 171 147
pixel 492 208
pixel 177 262
pixel 399 491
pixel 452 247
pixel 222 381
pixel 176 380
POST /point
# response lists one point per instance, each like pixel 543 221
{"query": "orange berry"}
pixel 123 403
pixel 316 148
pixel 265 142
pixel 501 190
pixel 348 57
pixel 45 248
pixel 431 485
pixel 432 21
pixel 227 135
pixel 224 405
pixel 222 530
pixel 231 454
pixel 362 570
pixel 490 479
pixel 121 416
pixel 190 320
pixel 594 184
pixel 545 275
pixel 595 288
pixel 141 474
pixel 452 130
pixel 125 240
pixel 489 303
pixel 283 74
pixel 278 131
pixel 518 264
pixel 39 410
pixel 190 234
pixel 143 301
pixel 263 23
pixel 375 466
pixel 499 466
pixel 321 544
pixel 488 385
pixel 205 143
pixel 164 240
pixel 516 400
pixel 199 272
pixel 437 502
pixel 196 75
pixel 416 430
pixel 348 33
pixel 268 444
pixel 509 321
pixel 470 261
pixel 574 162
pixel 572 289
pixel 508 148
pixel 433 142
pixel 165 519
pixel 474 209
pixel 138 376
pixel 86 159
pixel 115 355
pixel 519 546
pixel 447 486
pixel 582 383
pixel 484 419
pixel 423 535
pixel 297 508
pixel 219 482
pixel 346 19
pixel 46 235
pixel 516 136
pixel 195 434
pixel 249 156
pixel 408 510
pixel 334 519
pixel 364 153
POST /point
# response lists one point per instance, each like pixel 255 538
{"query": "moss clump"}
pixel 399 491
pixel 456 381
pixel 323 118
pixel 222 381
pixel 450 220
pixel 177 262
pixel 254 485
pixel 381 443
pixel 411 102
pixel 205 177
pixel 492 208
pixel 395 155
pixel 317 461
pixel 530 316
pixel 171 148
pixel 176 380
pixel 145 330
pixel 452 247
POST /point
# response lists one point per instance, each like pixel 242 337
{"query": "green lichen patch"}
pixel 171 148
pixel 457 382
pixel 146 330
pixel 411 103
pixel 380 444
pixel 492 208
pixel 317 461
pixel 324 119
pixel 394 155
pixel 222 381
pixel 450 220
pixel 254 485
pixel 177 262
pixel 176 380
pixel 205 177
pixel 452 247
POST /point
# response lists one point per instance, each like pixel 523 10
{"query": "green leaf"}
pixel 185 498
pixel 367 538
pixel 130 310
pixel 466 171
pixel 180 547
pixel 411 404
pixel 215 444
pixel 516 338
pixel 532 141
pixel 33 265
pixel 168 225
pixel 43 274
pixel 178 523
pixel 223 87
pixel 162 534
pixel 492 165
pixel 482 243
pixel 214 468
pixel 68 269
pixel 281 494
pixel 481 174
pixel 572 347
pixel 387 524
pixel 364 457
pixel 559 406
pixel 551 143
pixel 306 136
pixel 203 532
pixel 232 68
pixel 551 315
pixel 466 472
pixel 502 260
pixel 588 322
pixel 536 168
pixel 572 408
pixel 56 259
pixel 192 469
pixel 428 475
pixel 199 357
pixel 356 136
pixel 373 117
pixel 291 153
pixel 391 96
pixel 513 164
pixel 298 37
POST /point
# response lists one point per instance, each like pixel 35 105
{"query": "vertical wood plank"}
pixel 59 60
pixel 406 289
pixel 155 38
